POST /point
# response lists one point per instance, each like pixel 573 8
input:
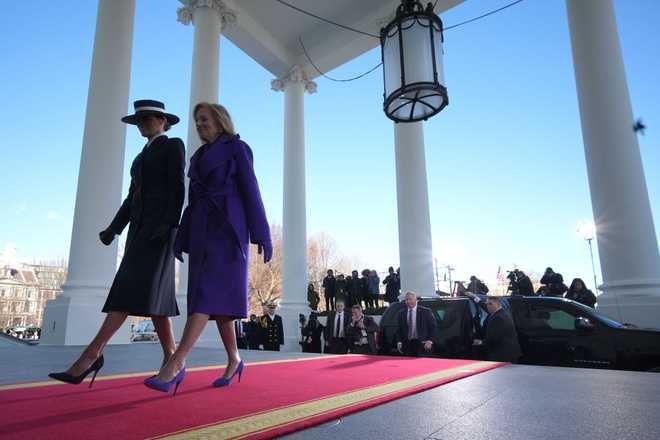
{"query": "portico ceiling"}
pixel 269 31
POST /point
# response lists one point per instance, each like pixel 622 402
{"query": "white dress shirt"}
pixel 412 329
pixel 154 138
pixel 339 324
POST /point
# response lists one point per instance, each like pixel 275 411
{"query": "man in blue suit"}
pixel 416 328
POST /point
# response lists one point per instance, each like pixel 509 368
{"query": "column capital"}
pixel 185 13
pixel 296 75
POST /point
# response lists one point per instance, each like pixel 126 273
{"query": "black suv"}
pixel 551 331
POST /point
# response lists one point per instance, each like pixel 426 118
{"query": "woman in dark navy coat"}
pixel 144 283
pixel 224 215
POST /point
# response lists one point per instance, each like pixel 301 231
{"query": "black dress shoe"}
pixel 75 380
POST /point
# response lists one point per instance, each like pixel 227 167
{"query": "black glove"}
pixel 106 236
pixel 178 256
pixel 161 233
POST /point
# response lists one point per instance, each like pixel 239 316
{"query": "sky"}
pixel 505 160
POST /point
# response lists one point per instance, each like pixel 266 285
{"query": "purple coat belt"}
pixel 223 195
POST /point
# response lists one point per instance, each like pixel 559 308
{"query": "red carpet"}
pixel 274 398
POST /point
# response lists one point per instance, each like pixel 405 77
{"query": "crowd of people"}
pixel 265 332
pixel 552 284
pixel 364 290
pixel 354 289
pixel 349 330
pixel 416 327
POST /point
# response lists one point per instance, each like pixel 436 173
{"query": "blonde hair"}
pixel 220 116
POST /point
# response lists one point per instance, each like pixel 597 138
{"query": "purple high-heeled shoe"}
pixel 223 382
pixel 159 385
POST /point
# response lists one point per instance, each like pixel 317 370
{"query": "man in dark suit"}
pixel 416 328
pixel 253 333
pixel 335 330
pixel 392 286
pixel 329 286
pixel 271 328
pixel 354 286
pixel 501 338
pixel 241 336
pixel 361 333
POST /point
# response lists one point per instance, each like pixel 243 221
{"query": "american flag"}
pixel 500 275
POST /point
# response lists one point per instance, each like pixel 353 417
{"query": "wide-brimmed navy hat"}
pixel 144 107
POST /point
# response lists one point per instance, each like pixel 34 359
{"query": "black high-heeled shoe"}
pixel 75 380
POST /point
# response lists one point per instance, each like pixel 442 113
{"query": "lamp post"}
pixel 587 231
pixel 411 50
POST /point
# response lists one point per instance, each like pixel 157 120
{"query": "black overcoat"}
pixel 144 283
pixel 501 338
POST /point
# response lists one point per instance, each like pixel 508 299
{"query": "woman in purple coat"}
pixel 224 215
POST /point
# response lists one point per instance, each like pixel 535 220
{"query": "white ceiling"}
pixel 268 31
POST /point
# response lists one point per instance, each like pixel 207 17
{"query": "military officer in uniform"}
pixel 271 328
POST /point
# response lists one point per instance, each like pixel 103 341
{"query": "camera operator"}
pixel 476 286
pixel 525 286
pixel 459 288
pixel 520 284
pixel 514 288
pixel 553 284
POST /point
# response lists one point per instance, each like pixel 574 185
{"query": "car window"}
pixel 544 317
pixel 561 320
pixel 589 311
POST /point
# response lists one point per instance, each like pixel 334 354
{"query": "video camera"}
pixel 513 277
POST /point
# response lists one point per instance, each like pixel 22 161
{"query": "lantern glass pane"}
pixel 439 65
pixel 417 50
pixel 392 64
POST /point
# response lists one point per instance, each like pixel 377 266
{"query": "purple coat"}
pixel 224 215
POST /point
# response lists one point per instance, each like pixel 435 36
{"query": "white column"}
pixel 75 316
pixel 627 242
pixel 209 17
pixel 294 229
pixel 415 247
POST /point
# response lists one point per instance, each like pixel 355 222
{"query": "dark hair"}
pixel 357 307
pixel 497 299
pixel 575 280
pixel 167 124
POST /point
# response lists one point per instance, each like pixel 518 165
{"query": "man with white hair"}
pixel 335 329
pixel 416 328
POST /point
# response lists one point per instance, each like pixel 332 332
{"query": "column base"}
pixel 75 319
pixel 633 302
pixel 289 312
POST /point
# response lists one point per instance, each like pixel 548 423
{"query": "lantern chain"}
pixel 482 16
pixel 373 35
pixel 331 78
pixel 343 26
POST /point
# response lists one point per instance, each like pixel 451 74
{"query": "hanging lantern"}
pixel 411 47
